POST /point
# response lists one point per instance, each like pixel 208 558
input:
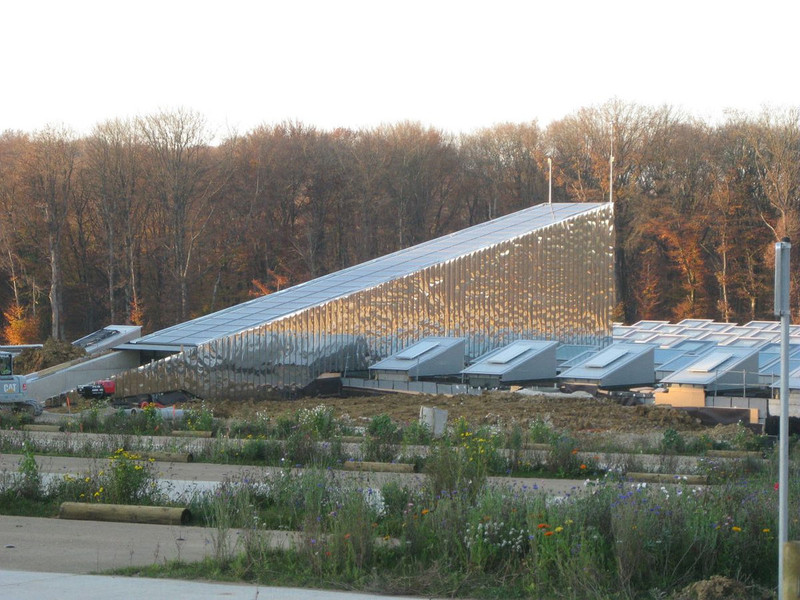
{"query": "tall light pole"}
pixel 611 167
pixel 782 310
pixel 550 181
pixel 611 178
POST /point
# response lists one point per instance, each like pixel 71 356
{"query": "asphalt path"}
pixel 28 585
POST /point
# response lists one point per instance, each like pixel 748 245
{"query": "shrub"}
pixel 672 442
pixel 417 434
pixel 199 419
pixel 28 483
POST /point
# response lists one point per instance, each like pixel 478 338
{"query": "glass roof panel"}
pixel 508 354
pixel 369 274
pixel 416 350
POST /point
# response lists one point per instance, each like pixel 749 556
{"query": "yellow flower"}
pixel 736 529
pixel 88 479
pixel 765 530
pixel 559 529
pixel 425 511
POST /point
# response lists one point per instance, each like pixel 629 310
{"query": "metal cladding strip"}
pixel 543 277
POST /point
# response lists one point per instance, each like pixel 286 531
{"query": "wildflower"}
pixel 574 450
pixel 583 466
pixel 568 522
pixel 736 529
pixel 765 530
pixel 559 529
pixel 548 533
pixel 543 526
pixel 425 511
pixel 347 536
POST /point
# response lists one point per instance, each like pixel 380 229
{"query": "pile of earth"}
pixel 721 588
pixel 577 412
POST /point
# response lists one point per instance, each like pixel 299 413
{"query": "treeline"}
pixel 147 221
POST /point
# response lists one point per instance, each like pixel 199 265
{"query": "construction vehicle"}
pixel 106 388
pixel 14 388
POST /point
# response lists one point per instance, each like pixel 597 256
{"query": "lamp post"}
pixel 550 181
pixel 611 178
pixel 782 309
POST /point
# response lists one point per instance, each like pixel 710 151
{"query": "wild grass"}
pixel 458 536
pixel 451 533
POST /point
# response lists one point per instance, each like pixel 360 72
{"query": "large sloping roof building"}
pixel 545 272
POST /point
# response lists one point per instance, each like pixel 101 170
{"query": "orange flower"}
pixel 347 536
pixel 548 533
pixel 425 511
pixel 544 526
pixel 583 467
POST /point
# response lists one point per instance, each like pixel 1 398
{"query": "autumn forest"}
pixel 157 219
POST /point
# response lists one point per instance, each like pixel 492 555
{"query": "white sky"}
pixel 454 64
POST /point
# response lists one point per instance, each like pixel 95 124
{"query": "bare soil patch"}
pixel 504 409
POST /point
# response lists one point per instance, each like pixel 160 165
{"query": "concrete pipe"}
pixel 155 515
pixel 50 428
pixel 185 457
pixel 791 570
pixel 668 478
pixel 197 434
pixel 352 439
pixel 352 465
pixel 734 454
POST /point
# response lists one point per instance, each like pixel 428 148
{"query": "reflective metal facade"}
pixel 542 273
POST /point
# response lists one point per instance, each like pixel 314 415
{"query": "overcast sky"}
pixel 456 65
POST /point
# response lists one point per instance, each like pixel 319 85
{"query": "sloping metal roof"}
pixel 715 365
pixel 519 360
pixel 367 275
pixel 619 364
pixel 429 356
pixel 794 379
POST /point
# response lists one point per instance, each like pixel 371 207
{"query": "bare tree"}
pixel 50 172
pixel 183 181
pixel 114 156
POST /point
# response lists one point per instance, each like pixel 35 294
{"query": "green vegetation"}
pixel 450 533
pixel 457 536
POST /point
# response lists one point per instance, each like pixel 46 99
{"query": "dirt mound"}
pixel 721 588
pixel 52 352
pixel 502 409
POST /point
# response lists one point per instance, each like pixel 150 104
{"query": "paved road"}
pixel 29 585
pixel 43 559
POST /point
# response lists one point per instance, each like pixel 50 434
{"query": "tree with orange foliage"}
pixel 21 327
